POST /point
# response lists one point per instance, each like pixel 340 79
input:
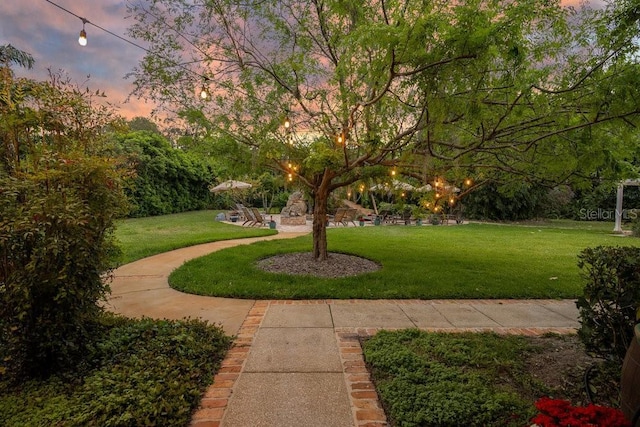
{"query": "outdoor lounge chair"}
pixel 249 218
pixel 257 216
pixel 337 217
pixel 344 216
pixel 350 216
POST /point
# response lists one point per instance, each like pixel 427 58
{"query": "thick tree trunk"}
pixel 320 252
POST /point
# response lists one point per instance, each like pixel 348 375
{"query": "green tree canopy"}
pixel 167 180
pixel 432 88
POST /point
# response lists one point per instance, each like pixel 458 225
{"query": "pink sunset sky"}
pixel 50 35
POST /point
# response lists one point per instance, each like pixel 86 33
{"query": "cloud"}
pixel 51 36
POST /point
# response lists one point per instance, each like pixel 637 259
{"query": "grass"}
pixel 468 261
pixel 143 237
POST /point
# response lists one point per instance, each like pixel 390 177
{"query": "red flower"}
pixel 560 413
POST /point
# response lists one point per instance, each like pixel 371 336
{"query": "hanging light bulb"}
pixel 204 94
pixel 82 40
pixel 287 123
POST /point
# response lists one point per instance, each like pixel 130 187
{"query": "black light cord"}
pixel 86 21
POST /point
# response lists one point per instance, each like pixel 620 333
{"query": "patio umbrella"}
pixel 395 185
pixel 230 185
pixel 425 188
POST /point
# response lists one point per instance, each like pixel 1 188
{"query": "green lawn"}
pixel 465 261
pixel 143 237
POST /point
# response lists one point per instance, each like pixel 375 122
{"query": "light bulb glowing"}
pixel 287 123
pixel 82 40
pixel 203 93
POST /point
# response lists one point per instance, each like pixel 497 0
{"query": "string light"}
pixel 204 93
pixel 82 40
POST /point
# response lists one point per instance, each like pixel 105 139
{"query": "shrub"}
pixel 167 180
pixel 55 245
pixel 138 373
pixel 635 227
pixel 429 379
pixel 608 307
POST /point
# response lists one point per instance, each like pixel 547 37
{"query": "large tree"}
pixel 427 87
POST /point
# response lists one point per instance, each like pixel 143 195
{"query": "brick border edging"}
pixel 365 402
pixel 216 398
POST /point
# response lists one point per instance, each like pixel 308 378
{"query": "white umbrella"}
pixel 230 185
pixel 395 185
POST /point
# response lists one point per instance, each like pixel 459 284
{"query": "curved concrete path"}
pixel 299 363
pixel 141 288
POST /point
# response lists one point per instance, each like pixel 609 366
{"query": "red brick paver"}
pixel 216 398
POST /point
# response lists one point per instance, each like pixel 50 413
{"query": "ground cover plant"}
pixel 139 372
pixel 143 237
pixel 465 261
pixel 477 379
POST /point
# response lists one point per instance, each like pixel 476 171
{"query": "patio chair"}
pixel 257 216
pixel 350 216
pixel 249 218
pixel 338 217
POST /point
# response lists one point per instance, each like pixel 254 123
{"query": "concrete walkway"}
pixel 299 363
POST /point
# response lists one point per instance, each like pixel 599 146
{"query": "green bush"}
pixel 608 307
pixel 635 227
pixel 138 373
pixel 427 379
pixel 506 203
pixel 55 245
pixel 167 179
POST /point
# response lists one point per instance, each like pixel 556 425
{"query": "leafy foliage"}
pixel 167 180
pixel 55 244
pixel 60 191
pixel 609 305
pixel 493 89
pixel 139 372
pixel 448 380
pixel 509 203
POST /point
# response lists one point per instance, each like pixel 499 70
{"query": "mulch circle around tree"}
pixel 303 263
